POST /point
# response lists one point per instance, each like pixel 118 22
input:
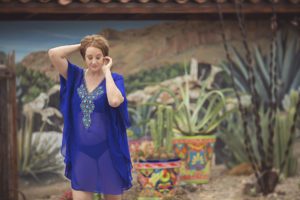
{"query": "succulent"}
pixel 203 116
pixel 162 134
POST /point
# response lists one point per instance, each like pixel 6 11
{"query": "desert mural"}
pixel 181 101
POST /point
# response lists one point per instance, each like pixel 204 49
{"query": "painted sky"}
pixel 29 36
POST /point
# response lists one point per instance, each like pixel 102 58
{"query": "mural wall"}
pixel 150 54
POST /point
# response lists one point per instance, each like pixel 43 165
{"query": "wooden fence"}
pixel 8 130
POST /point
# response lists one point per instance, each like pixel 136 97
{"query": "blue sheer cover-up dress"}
pixel 94 144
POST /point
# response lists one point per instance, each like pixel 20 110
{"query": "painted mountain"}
pixel 155 46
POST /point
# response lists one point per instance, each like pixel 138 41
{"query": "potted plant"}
pixel 158 166
pixel 194 124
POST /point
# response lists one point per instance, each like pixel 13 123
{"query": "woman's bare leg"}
pixel 82 195
pixel 112 197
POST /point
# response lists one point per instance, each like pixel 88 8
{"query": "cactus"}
pixel 169 124
pixel 282 130
pixel 161 132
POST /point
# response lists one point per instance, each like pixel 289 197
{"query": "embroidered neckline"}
pixel 87 102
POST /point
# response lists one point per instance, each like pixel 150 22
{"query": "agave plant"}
pixel 266 86
pixel 231 130
pixel 204 116
pixel 287 61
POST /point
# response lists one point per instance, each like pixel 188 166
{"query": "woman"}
pixel 94 106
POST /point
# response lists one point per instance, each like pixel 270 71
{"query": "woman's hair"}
pixel 97 41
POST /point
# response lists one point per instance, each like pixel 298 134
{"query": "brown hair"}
pixel 97 41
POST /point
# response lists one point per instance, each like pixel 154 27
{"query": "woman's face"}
pixel 94 58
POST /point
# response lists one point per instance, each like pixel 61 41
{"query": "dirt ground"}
pixel 225 187
pixel 220 187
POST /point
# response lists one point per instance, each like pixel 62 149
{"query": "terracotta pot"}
pixel 195 153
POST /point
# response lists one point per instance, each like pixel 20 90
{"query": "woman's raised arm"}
pixel 58 58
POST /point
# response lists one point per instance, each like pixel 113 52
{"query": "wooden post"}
pixel 8 131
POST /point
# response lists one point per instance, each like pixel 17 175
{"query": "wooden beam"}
pixel 136 11
pixel 138 8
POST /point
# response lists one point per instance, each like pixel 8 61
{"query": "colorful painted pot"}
pixel 138 145
pixel 195 153
pixel 134 144
pixel 157 179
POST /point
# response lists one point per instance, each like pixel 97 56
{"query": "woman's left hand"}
pixel 107 63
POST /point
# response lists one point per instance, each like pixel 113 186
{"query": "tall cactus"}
pixel 169 125
pixel 161 129
pixel 284 123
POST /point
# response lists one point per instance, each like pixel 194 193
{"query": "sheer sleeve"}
pixel 73 72
pixel 122 109
pixel 118 138
pixel 66 92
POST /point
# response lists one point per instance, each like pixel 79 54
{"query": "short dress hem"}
pixel 99 192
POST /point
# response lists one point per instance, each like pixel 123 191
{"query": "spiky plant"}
pixel 231 131
pixel 162 133
pixel 264 165
pixel 141 114
pixel 287 58
pixel 203 117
